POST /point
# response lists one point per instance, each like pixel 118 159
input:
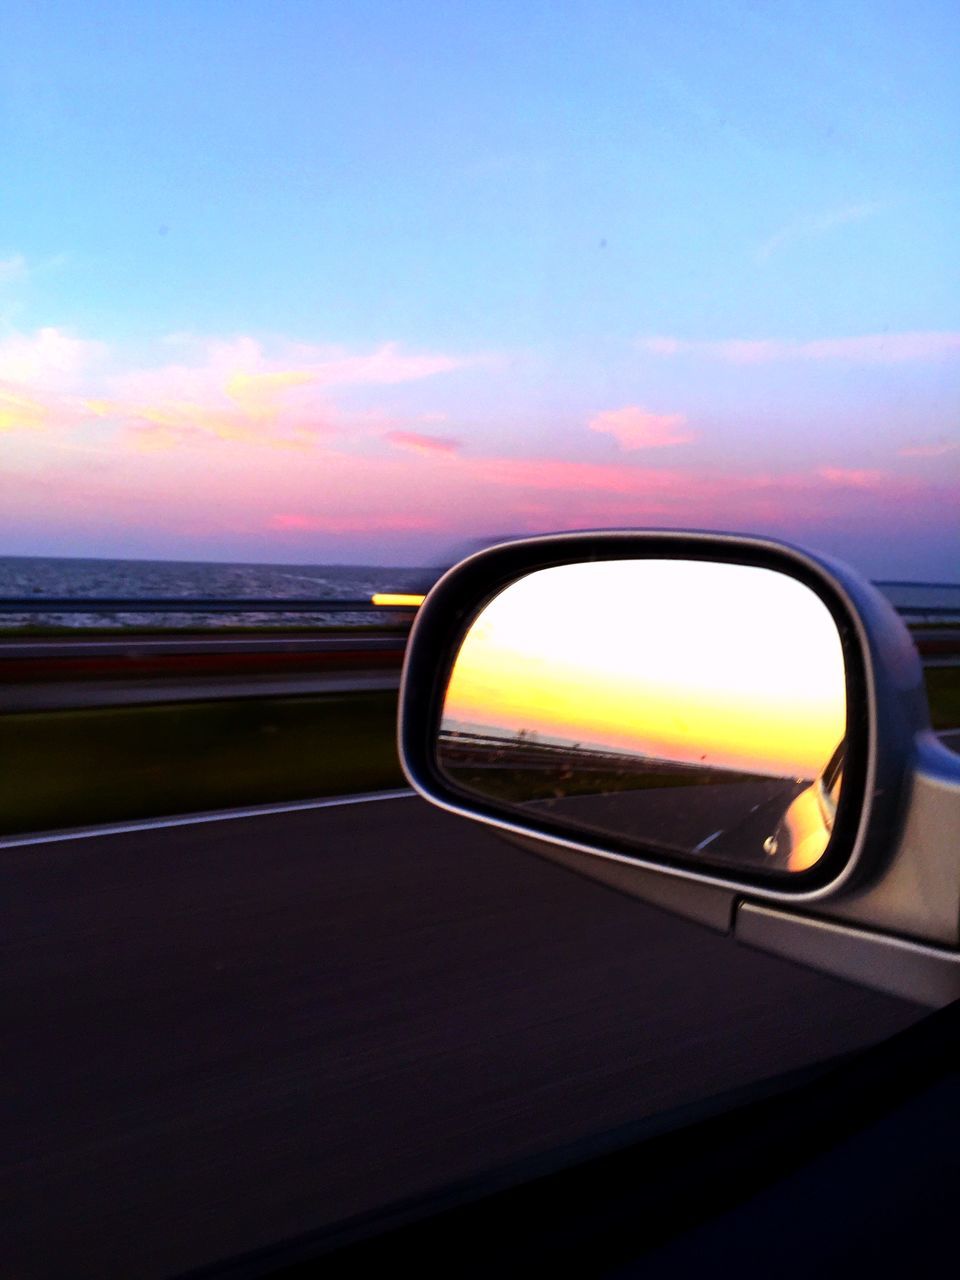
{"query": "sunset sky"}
pixel 732 665
pixel 362 282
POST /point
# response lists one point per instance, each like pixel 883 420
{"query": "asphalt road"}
pixel 222 1034
pixel 731 819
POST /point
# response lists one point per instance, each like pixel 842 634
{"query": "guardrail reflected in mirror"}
pixel 688 706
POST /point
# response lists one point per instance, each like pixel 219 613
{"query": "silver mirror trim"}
pixel 911 970
pixel 821 571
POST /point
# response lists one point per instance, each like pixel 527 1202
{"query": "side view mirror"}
pixel 727 727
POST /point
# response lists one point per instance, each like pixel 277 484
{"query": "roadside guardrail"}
pixel 35 604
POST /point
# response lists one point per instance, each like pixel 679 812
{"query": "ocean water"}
pixel 48 576
pixel 53 576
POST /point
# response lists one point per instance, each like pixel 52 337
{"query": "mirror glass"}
pixel 689 706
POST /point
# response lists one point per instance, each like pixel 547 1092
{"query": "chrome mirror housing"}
pixel 725 726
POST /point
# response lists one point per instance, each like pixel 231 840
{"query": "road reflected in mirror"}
pixel 690 707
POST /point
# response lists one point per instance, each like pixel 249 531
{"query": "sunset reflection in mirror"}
pixel 646 675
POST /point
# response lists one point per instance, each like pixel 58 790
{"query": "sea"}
pixel 38 577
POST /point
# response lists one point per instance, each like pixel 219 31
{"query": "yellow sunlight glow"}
pixel 392 598
pixel 733 665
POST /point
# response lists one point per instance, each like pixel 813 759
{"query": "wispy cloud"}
pixel 561 474
pixel 298 500
pixel 17 272
pixel 169 424
pixel 418 442
pixel 871 348
pixel 298 522
pixel 634 427
pixel 852 477
pixel 816 225
pixel 40 374
pixel 244 365
pixel 690 485
pixel 13 269
pixel 261 392
pixel 48 359
pixel 236 389
pixel 933 449
pixel 283 456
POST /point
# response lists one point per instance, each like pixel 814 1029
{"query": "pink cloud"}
pixel 417 442
pixel 288 500
pixel 936 449
pixel 559 474
pixel 23 413
pixel 596 494
pixel 232 412
pixel 852 478
pixel 635 428
pixel 871 348
pixel 371 523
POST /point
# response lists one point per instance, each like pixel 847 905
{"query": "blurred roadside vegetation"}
pixel 943 691
pixel 74 768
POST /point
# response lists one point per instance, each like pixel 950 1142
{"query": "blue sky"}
pixel 439 244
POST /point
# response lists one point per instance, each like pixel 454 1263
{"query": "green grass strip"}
pixel 72 768
pixel 943 691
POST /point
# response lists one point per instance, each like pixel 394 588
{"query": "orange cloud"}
pixel 164 426
pixel 635 428
pixel 417 442
pixel 871 348
pixel 158 437
pixel 260 392
pixel 236 390
pixel 22 413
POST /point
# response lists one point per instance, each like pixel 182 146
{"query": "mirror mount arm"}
pixel 927 975
pixel 917 892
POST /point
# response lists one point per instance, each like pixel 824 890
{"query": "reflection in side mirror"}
pixel 691 707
